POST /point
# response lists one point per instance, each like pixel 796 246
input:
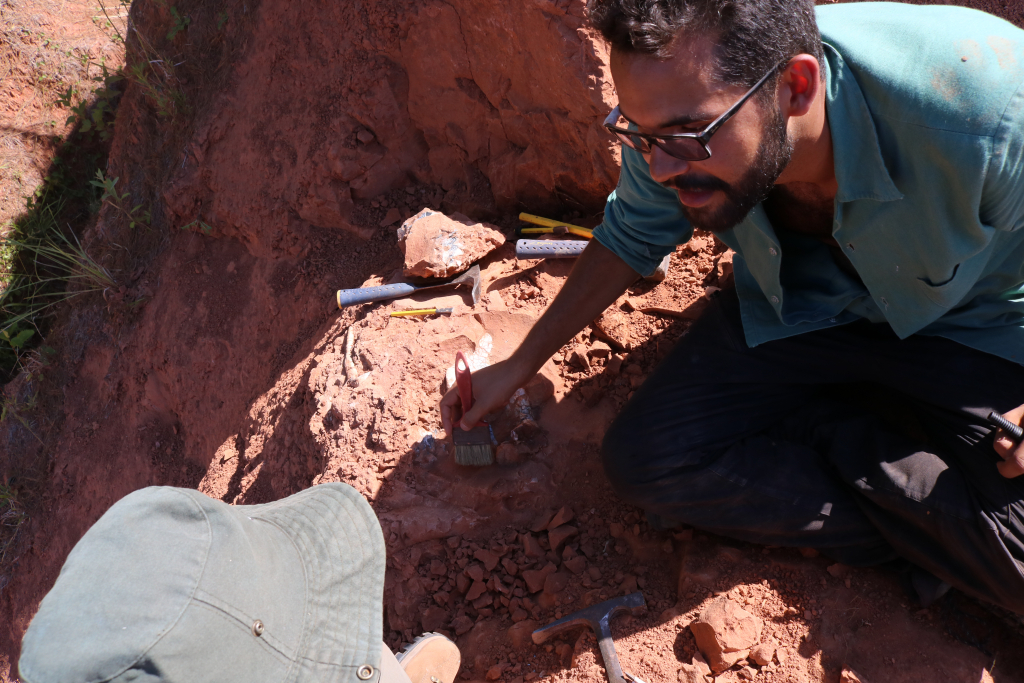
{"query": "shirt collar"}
pixel 860 170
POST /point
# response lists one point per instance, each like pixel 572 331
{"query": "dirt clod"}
pixel 725 632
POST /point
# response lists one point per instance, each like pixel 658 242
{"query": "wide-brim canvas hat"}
pixel 171 585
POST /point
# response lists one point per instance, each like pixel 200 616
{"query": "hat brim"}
pixel 341 546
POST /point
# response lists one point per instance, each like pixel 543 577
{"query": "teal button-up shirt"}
pixel 926 110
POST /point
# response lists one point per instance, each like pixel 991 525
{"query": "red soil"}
pixel 230 376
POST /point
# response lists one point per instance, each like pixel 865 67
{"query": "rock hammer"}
pixel 598 617
pixel 366 295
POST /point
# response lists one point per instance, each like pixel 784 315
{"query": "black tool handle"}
pixel 1015 432
pixel 365 295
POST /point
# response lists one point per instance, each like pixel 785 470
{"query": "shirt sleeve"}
pixel 643 220
pixel 1003 203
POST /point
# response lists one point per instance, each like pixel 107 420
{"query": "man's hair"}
pixel 751 36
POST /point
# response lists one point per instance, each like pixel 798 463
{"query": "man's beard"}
pixel 773 156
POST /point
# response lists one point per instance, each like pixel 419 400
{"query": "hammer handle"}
pixel 366 295
pixel 531 249
pixel 611 659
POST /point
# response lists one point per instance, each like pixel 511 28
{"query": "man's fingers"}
pixel 1004 446
pixel 472 417
pixel 448 403
pixel 1010 468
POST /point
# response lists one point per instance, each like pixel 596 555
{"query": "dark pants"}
pixel 848 440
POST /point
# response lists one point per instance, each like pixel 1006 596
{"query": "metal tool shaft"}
pixel 598 617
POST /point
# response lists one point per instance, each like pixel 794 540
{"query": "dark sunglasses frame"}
pixel 664 142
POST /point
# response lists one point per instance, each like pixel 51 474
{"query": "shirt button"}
pixel 831 320
pixel 771 250
pixel 849 245
pixel 775 299
pixel 884 302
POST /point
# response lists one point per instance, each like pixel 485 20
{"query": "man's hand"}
pixel 492 387
pixel 597 279
pixel 1011 453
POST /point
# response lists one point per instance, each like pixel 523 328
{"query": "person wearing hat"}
pixel 171 585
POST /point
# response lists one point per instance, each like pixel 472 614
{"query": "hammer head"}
pixel 597 617
pixel 470 278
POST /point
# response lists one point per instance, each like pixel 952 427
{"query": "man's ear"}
pixel 799 85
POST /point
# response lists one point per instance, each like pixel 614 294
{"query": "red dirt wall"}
pixel 498 104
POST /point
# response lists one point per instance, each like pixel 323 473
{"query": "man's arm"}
pixel 1011 453
pixel 596 281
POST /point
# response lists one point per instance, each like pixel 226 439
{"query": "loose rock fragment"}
pixel 556 583
pixel 535 578
pixel 576 564
pixel 762 654
pixel 507 454
pixel 476 590
pixel 838 570
pixel 600 350
pixel 461 624
pixel 436 245
pixel 613 327
pixel 851 676
pixel 489 558
pixel 434 618
pixel 556 537
pixel 391 217
pixel 563 516
pixel 690 674
pixel 531 547
pixel 579 358
pixel 725 632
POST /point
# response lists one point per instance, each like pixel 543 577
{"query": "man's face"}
pixel 682 95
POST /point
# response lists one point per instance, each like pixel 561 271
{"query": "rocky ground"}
pixel 222 363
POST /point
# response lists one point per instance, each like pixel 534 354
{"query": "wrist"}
pixel 524 365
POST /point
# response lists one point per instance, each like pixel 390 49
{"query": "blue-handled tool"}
pixel 531 249
pixel 366 295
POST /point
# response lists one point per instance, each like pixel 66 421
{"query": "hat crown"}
pixel 124 586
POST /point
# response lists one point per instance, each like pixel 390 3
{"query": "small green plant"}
pixel 98 118
pixel 222 18
pixel 181 23
pixel 119 201
pixel 197 224
pixel 12 516
pixel 16 338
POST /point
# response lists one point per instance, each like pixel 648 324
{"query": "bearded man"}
pixel 866 164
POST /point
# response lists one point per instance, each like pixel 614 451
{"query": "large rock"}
pixel 725 632
pixel 436 245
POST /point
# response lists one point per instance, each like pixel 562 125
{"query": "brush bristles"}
pixel 474 454
pixel 475 447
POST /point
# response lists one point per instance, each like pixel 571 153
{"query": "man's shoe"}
pixel 431 658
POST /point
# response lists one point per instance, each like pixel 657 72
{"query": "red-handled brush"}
pixel 475 447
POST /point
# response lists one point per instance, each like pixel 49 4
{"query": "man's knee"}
pixel 618 455
pixel 639 457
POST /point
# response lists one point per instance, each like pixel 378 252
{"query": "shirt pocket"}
pixel 947 293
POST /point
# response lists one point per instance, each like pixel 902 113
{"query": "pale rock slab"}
pixel 436 245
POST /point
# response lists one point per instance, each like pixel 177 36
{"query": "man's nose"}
pixel 665 166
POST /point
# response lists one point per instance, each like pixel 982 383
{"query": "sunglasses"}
pixel 685 146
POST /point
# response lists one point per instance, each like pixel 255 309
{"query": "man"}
pixel 870 179
pixel 170 585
